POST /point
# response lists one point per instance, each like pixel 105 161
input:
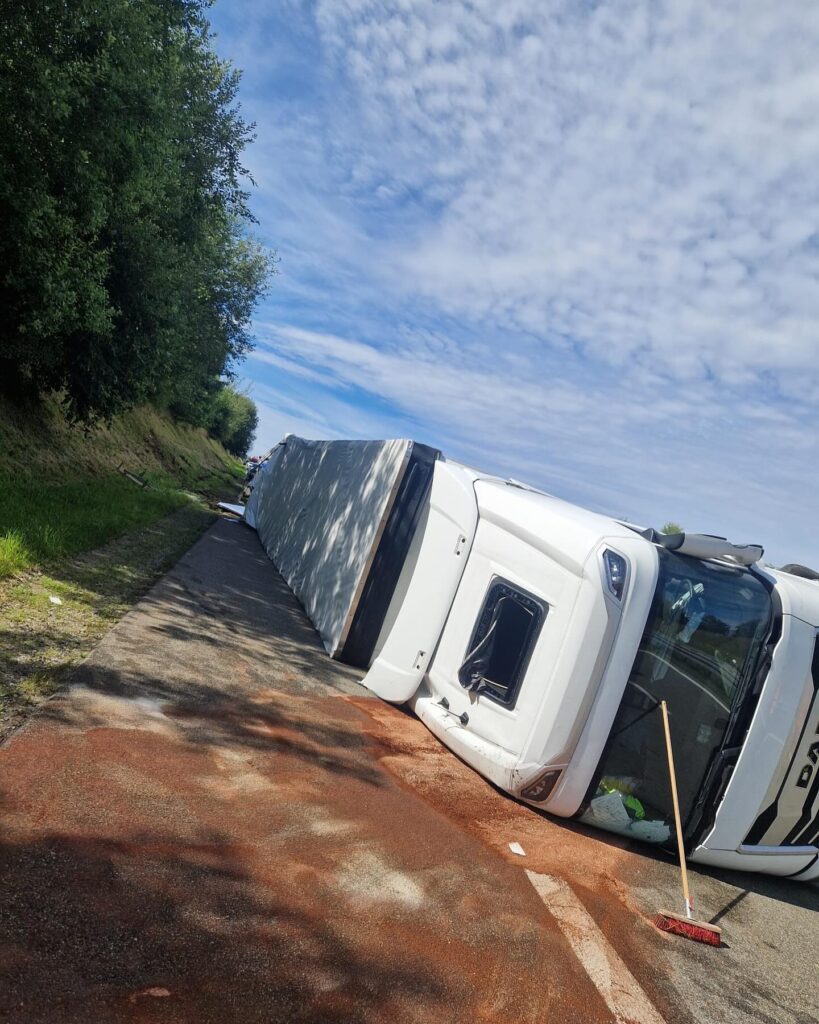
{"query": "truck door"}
pixel 426 587
pixel 508 624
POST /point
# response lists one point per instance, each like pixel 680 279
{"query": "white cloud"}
pixel 575 242
pixel 627 446
pixel 638 178
pixel 274 423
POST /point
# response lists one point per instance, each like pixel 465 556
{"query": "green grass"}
pixel 38 441
pixel 41 642
pixel 74 527
pixel 63 490
pixel 43 521
pixel 13 553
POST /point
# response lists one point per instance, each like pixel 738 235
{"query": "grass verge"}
pixel 63 488
pixel 41 639
pixel 38 442
pixel 80 541
pixel 43 520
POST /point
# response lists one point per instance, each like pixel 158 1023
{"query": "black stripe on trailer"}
pixel 806 831
pixel 390 556
pixel 810 825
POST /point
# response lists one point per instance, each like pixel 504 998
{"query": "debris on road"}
pixel 234 510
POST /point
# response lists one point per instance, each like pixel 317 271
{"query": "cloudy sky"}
pixel 573 242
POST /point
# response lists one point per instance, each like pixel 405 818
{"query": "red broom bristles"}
pixel 699 931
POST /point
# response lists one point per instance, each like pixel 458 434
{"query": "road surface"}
pixel 216 823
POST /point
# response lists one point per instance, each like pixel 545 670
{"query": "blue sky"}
pixel 576 243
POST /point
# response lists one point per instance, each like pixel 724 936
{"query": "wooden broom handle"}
pixel 673 776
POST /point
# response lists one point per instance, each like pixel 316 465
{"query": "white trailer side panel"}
pixel 319 508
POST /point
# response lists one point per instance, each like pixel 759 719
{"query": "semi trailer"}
pixel 536 639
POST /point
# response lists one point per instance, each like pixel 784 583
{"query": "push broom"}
pixel 682 924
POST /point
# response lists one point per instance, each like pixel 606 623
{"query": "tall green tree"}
pixel 233 419
pixel 126 268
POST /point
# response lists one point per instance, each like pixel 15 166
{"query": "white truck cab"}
pixel 536 639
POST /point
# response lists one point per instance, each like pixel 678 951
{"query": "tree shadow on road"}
pixel 224 652
pixel 225 611
pixel 322 732
pixel 149 928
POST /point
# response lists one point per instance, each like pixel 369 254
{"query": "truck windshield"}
pixel 707 625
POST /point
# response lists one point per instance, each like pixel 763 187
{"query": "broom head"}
pixel 678 924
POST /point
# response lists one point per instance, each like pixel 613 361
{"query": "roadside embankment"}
pixel 80 541
pixel 63 488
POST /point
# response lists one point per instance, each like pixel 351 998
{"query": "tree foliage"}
pixel 126 270
pixel 672 527
pixel 233 420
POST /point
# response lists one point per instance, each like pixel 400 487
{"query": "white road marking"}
pixel 614 981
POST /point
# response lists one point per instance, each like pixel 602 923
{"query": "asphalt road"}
pixel 217 823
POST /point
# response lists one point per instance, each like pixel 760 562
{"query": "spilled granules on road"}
pixel 416 758
pixel 253 858
pixel 598 866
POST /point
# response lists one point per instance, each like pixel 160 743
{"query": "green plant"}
pixel 45 521
pixel 233 420
pixel 13 553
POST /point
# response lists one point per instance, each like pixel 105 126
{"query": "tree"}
pixel 233 420
pixel 671 527
pixel 126 268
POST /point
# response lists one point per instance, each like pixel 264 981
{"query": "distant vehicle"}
pixel 252 466
pixel 536 639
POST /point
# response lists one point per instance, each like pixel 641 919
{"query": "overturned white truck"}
pixel 536 639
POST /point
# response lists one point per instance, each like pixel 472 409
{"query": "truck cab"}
pixel 536 639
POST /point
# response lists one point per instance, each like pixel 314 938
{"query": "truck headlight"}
pixel 616 568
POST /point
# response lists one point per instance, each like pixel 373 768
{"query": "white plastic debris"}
pixel 651 831
pixel 55 600
pixel 518 849
pixel 235 510
pixel 608 812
